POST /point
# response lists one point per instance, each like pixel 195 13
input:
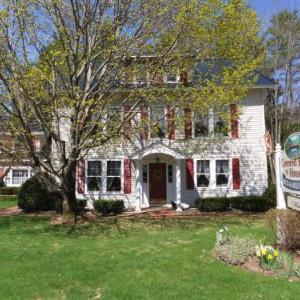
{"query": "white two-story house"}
pixel 182 164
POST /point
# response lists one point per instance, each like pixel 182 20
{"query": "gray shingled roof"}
pixel 213 68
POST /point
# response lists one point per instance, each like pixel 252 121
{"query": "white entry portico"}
pixel 167 161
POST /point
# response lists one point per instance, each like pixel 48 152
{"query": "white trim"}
pixel 213 174
pixel 103 191
pixel 157 148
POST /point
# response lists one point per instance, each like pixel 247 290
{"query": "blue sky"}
pixel 266 8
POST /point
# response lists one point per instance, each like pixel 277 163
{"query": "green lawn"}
pixel 8 201
pixel 128 259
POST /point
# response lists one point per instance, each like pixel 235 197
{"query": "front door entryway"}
pixel 157 180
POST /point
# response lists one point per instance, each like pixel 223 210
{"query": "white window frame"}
pixel 165 122
pixel 121 176
pixel 213 173
pixel 209 174
pixel 104 191
pixel 229 173
pixel 86 175
pixel 8 179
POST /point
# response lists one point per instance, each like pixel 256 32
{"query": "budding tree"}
pixel 63 63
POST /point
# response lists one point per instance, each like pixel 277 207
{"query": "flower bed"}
pixel 257 257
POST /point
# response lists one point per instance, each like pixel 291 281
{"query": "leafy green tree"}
pixel 64 63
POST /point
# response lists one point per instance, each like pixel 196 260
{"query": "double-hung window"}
pixel 222 172
pixel 94 173
pixel 220 126
pixel 19 176
pixel 113 179
pixel 200 125
pixel 158 119
pixel 203 173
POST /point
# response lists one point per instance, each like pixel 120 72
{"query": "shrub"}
pixel 236 250
pixel 251 203
pixel 5 190
pixel 244 203
pixel 81 204
pixel 270 193
pixel 1 183
pixel 288 230
pixel 34 196
pixel 109 206
pixel 212 204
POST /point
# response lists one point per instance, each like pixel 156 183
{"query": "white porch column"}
pixel 279 188
pixel 178 185
pixel 138 186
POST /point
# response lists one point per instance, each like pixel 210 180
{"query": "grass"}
pixel 8 201
pixel 129 259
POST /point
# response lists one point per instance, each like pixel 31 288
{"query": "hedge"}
pixel 5 190
pixel 244 203
pixel 109 206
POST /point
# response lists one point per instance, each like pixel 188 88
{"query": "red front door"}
pixel 157 176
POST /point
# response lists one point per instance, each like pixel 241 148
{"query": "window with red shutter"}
pixel 189 174
pixel 234 121
pixel 127 176
pixel 187 123
pixel 80 178
pixel 171 122
pixel 236 178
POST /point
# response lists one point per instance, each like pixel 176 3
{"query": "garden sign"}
pixel 291 170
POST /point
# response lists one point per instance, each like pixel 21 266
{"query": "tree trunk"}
pixel 69 194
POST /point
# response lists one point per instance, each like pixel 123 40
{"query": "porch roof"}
pixel 157 148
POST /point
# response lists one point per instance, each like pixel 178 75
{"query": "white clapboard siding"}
pixel 249 148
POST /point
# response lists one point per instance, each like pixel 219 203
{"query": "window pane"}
pixel 170 173
pixel 203 173
pixel 158 118
pixel 145 173
pixel 203 166
pixel 222 166
pixel 222 172
pixel 203 180
pixel 113 168
pixel 19 176
pixel 93 184
pixel 94 168
pixel 222 179
pixel 201 125
pixel 113 184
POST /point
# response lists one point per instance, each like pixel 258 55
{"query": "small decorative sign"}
pixel 291 164
pixel 293 202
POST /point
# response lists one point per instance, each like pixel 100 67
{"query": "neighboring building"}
pixel 18 171
pixel 182 165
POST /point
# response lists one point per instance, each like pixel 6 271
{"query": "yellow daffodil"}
pixel 276 253
pixel 270 257
pixel 263 251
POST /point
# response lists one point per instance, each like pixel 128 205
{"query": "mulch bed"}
pixel 153 213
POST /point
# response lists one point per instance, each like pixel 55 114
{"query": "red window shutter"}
pixel 127 176
pixel 171 123
pixel 183 77
pixel 236 178
pixel 234 121
pixel 144 121
pixel 80 176
pixel 189 174
pixel 127 122
pixel 2 172
pixel 187 123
